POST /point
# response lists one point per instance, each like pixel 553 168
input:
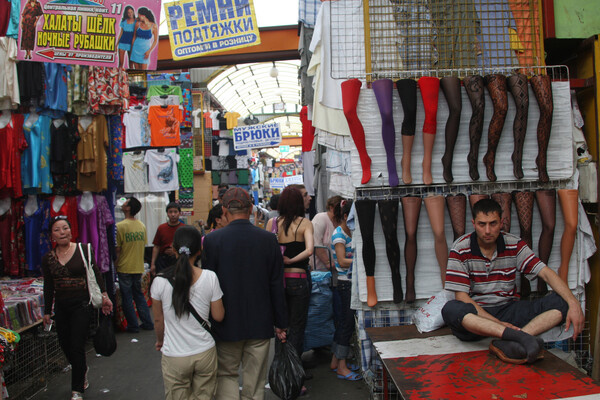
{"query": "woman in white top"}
pixel 189 360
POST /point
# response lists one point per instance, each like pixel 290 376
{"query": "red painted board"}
pixel 480 375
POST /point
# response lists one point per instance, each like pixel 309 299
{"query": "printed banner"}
pixel 202 27
pixel 277 183
pixel 256 136
pixel 103 33
pixel 281 183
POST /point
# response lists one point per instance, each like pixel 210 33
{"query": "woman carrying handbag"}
pixel 66 285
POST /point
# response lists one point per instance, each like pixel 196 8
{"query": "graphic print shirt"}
pixel 162 170
pixel 164 125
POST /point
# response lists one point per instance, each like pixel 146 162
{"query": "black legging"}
pixel 72 324
pixel 451 87
pixel 407 89
pixel 388 212
pixel 365 210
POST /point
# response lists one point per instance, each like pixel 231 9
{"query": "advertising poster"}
pixel 103 33
pixel 202 27
pixel 256 136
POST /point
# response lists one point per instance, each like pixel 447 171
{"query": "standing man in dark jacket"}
pixel 249 265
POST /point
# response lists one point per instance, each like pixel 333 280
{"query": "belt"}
pixel 294 275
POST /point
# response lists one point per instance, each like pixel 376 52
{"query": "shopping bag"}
pixel 105 341
pixel 429 316
pixel 286 375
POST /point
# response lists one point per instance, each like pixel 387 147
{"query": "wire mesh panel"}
pixel 412 38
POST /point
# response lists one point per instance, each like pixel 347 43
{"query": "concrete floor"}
pixel 133 373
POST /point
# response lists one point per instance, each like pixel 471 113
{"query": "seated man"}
pixel 482 268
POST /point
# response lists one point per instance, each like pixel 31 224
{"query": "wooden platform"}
pixel 437 365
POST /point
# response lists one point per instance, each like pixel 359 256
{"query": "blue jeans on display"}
pixel 297 296
pixel 131 291
pixel 343 317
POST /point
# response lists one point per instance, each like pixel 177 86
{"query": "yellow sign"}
pixel 202 27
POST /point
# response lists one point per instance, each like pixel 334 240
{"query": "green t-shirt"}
pixel 186 168
pixel 131 238
pixel 158 90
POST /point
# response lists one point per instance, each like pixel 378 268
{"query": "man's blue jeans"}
pixel 131 291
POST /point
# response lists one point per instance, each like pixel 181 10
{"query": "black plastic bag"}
pixel 286 375
pixel 105 342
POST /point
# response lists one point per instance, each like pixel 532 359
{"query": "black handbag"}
pixel 105 341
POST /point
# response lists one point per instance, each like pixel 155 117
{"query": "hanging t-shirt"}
pixel 208 120
pixel 156 90
pixel 56 100
pixel 232 119
pixel 197 116
pixel 186 168
pixel 215 121
pixel 223 147
pixel 162 170
pixel 164 125
pixel 135 171
pixel 164 100
pixel 222 121
pixel 136 124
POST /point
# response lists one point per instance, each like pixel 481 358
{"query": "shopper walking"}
pixel 131 242
pixel 189 356
pixel 341 246
pixel 163 255
pixel 248 263
pixel 65 285
pixel 295 233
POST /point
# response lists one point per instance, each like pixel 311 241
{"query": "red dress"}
pixel 30 14
pixel 12 143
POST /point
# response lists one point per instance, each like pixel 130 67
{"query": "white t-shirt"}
pixel 135 172
pixel 162 170
pixel 164 101
pixel 185 336
pixel 223 147
pixel 215 121
pixel 137 129
pixel 198 114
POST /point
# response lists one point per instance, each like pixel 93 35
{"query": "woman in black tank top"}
pixel 295 235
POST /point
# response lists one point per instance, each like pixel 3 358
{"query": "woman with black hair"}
pixel 126 36
pixel 215 218
pixel 145 39
pixel 295 235
pixel 65 285
pixel 189 359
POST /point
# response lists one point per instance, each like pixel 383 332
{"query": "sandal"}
pixel 352 376
pixel 351 367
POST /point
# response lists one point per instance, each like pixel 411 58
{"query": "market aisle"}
pixel 133 373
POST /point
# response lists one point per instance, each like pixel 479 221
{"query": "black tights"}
pixel 524 205
pixel 474 87
pixel 411 208
pixel 388 212
pixel 517 84
pixel 451 88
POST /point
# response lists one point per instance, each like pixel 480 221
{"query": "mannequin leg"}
pixel 546 201
pixel 524 204
pixel 435 209
pixel 505 201
pixel 496 85
pixel 388 212
pixel 569 203
pixel 474 87
pixel 451 87
pixel 407 89
pixel 457 208
pixel 411 208
pixel 383 89
pixel 474 198
pixel 350 93
pixel 365 209
pixel 430 88
pixel 517 84
pixel 428 141
pixel 542 88
pixel 407 145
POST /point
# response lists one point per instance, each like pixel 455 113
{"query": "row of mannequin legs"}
pixel 498 88
pixel 457 209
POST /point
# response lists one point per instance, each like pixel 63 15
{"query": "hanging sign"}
pixel 277 183
pixel 106 33
pixel 256 136
pixel 202 27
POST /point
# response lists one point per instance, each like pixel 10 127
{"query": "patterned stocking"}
pixel 383 89
pixel 505 200
pixel 542 88
pixel 496 85
pixel 517 84
pixel 524 204
pixel 451 87
pixel 388 212
pixel 350 93
pixel 457 208
pixel 474 87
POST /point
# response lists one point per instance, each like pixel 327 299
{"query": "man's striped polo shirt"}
pixel 490 282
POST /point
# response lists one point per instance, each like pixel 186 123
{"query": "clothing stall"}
pixel 443 104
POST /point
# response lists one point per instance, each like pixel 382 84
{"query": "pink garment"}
pixel 92 229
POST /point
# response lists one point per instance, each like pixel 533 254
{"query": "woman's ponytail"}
pixel 187 243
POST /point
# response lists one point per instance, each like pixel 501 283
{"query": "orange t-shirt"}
pixel 164 125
